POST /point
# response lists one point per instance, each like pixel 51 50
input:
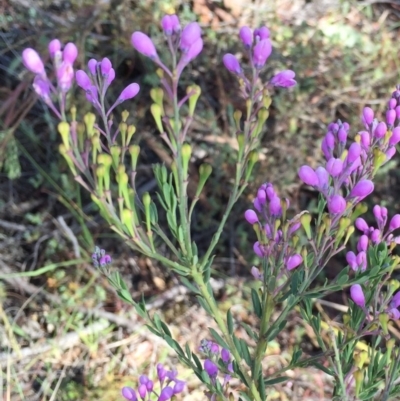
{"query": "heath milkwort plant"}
pixel 292 251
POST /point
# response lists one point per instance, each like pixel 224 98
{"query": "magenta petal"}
pixel 246 36
pixel 368 115
pixel 70 53
pixel 262 50
pixel 83 80
pixel 308 176
pixel 190 34
pixel 284 79
pixel 231 63
pixel 251 216
pixel 54 47
pixel 336 204
pixel 293 261
pixel 357 295
pixel 362 189
pixel 143 44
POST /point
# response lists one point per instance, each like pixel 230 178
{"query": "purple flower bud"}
pixel 257 250
pixel 211 368
pixel 143 44
pixel 65 76
pixel 190 34
pixel 257 205
pixel 342 135
pixel 166 394
pixel 83 80
pixel 41 85
pixel 357 295
pixel 354 152
pixel 284 79
pixel 166 24
pixel 352 260
pixel 261 33
pixel 308 176
pixel 225 355
pixel 390 117
pixel 362 261
pixel 92 65
pixel 362 189
pixel 105 66
pixel 395 138
pixel 161 372
pixel 275 207
pixel 54 47
pixel 70 53
pixel 110 77
pixel 390 153
pixel 193 51
pixel 376 236
pixel 231 63
pixel 362 244
pixel 251 216
pixel 176 26
pixel 362 225
pixel 394 314
pixel 129 92
pixel 143 379
pixel 262 196
pixel 336 204
pixel 271 194
pixel 262 50
pixel 142 390
pixel 246 36
pixel 293 261
pixel 33 62
pixel 394 222
pixel 323 178
pixel 365 139
pixel 368 115
pixel 105 260
pixel 129 393
pixel 149 386
pixel 334 167
pixel 256 273
pixel 91 95
pixel 395 302
pixel 392 103
pixel 214 349
pixel 380 130
pixel 179 386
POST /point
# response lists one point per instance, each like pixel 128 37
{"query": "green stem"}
pixel 338 366
pixel 216 314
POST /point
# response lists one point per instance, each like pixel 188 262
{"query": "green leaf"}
pixel 165 328
pixel 251 333
pixel 262 387
pixel 157 322
pixel 166 189
pixel 188 351
pixel 323 368
pixel 245 352
pixel 189 285
pixel 204 304
pixel 256 303
pixel 197 362
pixel 229 320
pixel 342 280
pixel 218 338
pixel 274 331
pixel 277 380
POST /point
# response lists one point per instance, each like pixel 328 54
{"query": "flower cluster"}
pixel 274 233
pixel 101 74
pixel 187 40
pixel 258 47
pixel 63 61
pixel 374 236
pixel 351 169
pixel 217 361
pixel 169 386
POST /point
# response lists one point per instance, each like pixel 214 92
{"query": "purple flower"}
pixel 211 368
pixel 256 273
pixel 70 53
pixel 395 137
pixel 54 47
pixel 170 24
pixel 161 372
pixel 395 302
pixel 65 76
pixel 105 260
pixel 129 393
pixel 275 207
pixel 357 295
pixel 352 260
pixel 246 36
pixel 143 44
pixel 142 390
pixel 179 386
pixel 308 176
pixel 262 50
pixel 92 65
pixel 284 79
pixel 42 87
pixel 190 34
pixel 336 204
pixel 293 261
pixel 225 355
pixel 129 92
pixel 261 33
pixel 362 189
pixel 193 51
pixel 354 152
pixel 362 244
pixel 33 62
pixel 251 216
pixel 380 130
pixel 231 63
pixel 390 117
pixel 166 394
pixel 362 225
pixel 394 222
pixel 83 80
pixel 334 167
pixel 323 178
pixel 257 249
pixel 362 260
pixel 214 348
pixel 105 66
pixel 368 115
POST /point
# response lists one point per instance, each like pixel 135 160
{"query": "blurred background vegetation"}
pixel 64 335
